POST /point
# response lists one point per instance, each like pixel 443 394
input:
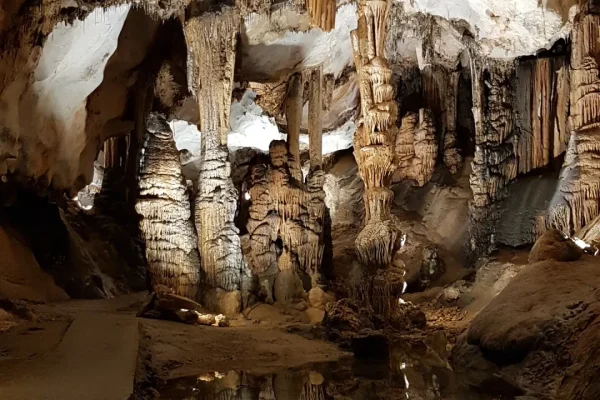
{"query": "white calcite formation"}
pixel 164 206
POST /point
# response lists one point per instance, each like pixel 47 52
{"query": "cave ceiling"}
pixel 67 75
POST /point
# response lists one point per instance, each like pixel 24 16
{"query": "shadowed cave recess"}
pixel 303 200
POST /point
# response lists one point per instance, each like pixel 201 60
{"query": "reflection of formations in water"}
pixel 416 371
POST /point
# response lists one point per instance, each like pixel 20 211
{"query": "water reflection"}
pixel 413 371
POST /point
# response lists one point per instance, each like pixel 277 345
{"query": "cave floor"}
pixel 91 349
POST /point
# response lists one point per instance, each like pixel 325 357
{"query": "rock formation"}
pixel 577 201
pixel 322 13
pixel 163 203
pixel 452 158
pixel 494 164
pixel 374 141
pixel 211 39
pixel 286 208
pixel 416 148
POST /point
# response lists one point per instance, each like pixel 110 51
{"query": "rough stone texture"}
pixel 21 277
pixel 374 141
pixel 416 148
pixel 211 40
pixel 163 203
pixel 533 334
pixel 494 164
pixel 322 13
pixel 553 245
pixel 290 212
pixel 577 202
pixel 591 233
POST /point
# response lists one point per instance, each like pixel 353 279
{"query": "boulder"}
pixel 554 245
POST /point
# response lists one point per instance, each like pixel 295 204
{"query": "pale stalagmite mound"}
pixel 553 245
pixel 544 321
pixel 21 277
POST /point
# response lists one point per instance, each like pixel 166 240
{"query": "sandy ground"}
pixel 91 349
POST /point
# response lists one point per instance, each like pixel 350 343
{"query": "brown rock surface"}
pixel 553 245
pixel 533 334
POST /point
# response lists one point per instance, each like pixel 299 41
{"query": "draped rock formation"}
pixel 494 164
pixel 322 13
pixel 286 209
pixel 576 203
pixel 211 39
pixel 164 206
pixel 374 142
pixel 416 148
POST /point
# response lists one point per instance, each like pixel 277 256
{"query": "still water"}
pixel 413 371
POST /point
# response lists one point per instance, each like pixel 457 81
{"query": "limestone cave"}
pixel 300 199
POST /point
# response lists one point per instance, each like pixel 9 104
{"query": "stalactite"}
pixel 374 142
pixel 542 104
pixel 416 148
pixel 494 164
pixel 211 40
pixel 322 13
pixel 577 202
pixel 163 204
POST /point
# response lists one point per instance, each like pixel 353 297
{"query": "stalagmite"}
pixel 577 200
pixel 416 148
pixel 374 142
pixel 164 206
pixel 211 40
pixel 285 208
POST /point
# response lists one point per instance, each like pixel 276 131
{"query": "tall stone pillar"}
pixel 211 40
pixel 577 201
pixel 315 121
pixel 293 115
pixel 163 204
pixel 374 143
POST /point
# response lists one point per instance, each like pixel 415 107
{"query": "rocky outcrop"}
pixel 533 333
pixel 416 148
pixel 166 224
pixel 211 40
pixel 374 141
pixel 577 201
pixel 554 245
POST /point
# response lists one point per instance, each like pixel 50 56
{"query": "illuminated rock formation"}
pixel 374 142
pixel 416 148
pixel 286 208
pixel 164 206
pixel 576 203
pixel 211 40
pixel 322 13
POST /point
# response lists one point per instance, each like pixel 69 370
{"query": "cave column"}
pixel 374 142
pixel 315 121
pixel 211 40
pixel 293 114
pixel 577 201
